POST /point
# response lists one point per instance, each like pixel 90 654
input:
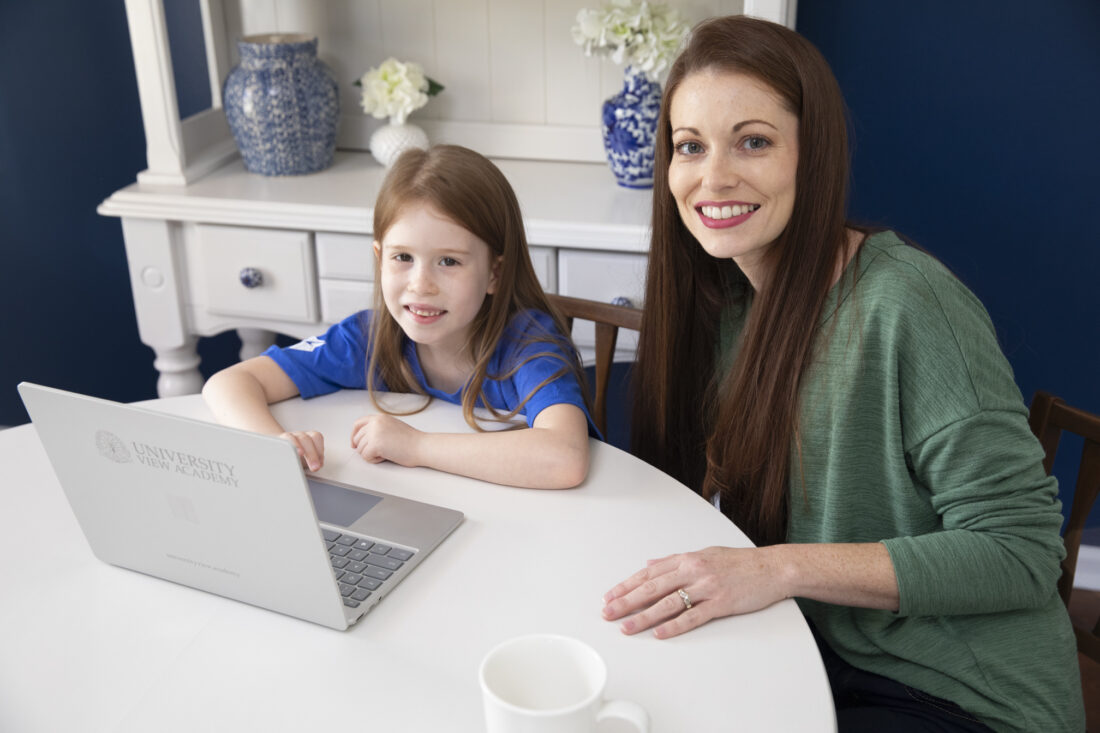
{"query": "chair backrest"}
pixel 1049 418
pixel 608 319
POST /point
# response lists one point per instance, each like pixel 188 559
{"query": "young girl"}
pixel 459 314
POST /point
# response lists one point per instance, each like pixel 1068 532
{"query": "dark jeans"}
pixel 871 703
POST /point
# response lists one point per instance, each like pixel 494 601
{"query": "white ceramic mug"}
pixel 549 684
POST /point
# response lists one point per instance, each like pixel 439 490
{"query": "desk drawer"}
pixel 286 284
pixel 341 298
pixel 545 262
pixel 345 256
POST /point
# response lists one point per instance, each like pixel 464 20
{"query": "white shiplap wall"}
pixel 516 84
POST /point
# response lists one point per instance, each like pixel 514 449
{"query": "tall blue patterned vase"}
pixel 630 129
pixel 282 105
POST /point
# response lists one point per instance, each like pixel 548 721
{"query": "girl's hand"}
pixel 385 438
pixel 310 445
pixel 719 581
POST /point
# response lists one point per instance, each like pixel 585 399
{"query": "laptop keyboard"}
pixel 362 566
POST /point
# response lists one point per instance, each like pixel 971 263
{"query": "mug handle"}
pixel 625 710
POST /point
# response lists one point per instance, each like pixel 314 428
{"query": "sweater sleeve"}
pixel 967 443
pixel 998 548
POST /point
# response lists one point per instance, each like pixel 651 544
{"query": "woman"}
pixel 842 398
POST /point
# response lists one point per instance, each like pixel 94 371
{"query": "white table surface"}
pixel 91 647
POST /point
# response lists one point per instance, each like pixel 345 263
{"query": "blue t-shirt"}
pixel 337 360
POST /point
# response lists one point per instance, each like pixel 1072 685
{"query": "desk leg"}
pixel 157 281
pixel 179 370
pixel 254 341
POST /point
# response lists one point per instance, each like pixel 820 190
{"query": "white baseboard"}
pixel 1088 568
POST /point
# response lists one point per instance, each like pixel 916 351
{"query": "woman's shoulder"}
pixel 897 274
pixel 911 303
pixel 912 306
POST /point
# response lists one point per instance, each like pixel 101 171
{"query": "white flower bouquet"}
pixel 645 35
pixel 396 89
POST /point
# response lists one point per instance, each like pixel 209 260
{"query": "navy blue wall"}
pixel 975 127
pixel 70 135
pixel 975 134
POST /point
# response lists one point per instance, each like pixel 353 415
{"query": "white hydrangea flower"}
pixel 643 34
pixel 395 89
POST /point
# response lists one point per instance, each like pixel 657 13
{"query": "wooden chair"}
pixel 1049 417
pixel 608 319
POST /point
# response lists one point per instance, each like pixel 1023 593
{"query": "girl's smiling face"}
pixel 434 277
pixel 734 159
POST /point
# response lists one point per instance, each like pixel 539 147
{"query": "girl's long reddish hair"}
pixel 732 434
pixel 467 188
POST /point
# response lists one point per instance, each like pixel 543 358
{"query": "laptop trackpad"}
pixel 339 506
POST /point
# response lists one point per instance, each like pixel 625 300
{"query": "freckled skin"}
pixel 733 143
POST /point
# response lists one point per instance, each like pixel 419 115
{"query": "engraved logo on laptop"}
pixel 177 461
pixel 111 447
pixel 166 459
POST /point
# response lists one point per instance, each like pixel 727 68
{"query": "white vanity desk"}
pixel 309 239
pixel 518 90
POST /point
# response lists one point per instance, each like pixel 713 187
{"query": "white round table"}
pixel 91 647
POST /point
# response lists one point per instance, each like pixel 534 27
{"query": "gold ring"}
pixel 685 598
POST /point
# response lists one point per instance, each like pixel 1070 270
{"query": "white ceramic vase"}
pixel 390 140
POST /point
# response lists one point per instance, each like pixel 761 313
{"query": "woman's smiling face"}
pixel 734 159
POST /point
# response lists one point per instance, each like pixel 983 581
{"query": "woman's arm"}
pixel 239 396
pixel 551 454
pixel 723 581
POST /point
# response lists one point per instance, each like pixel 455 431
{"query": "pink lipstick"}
pixel 729 208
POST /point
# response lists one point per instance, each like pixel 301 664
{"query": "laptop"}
pixel 227 511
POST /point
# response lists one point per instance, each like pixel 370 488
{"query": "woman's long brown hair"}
pixel 732 434
pixel 467 188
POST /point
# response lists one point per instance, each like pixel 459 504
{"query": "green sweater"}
pixel 914 434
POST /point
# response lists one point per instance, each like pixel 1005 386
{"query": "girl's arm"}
pixel 551 454
pixel 723 581
pixel 239 396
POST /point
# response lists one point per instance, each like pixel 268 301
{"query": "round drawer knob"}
pixel 623 301
pixel 251 277
pixel 152 277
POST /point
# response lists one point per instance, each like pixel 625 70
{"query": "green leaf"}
pixel 434 87
pixel 357 83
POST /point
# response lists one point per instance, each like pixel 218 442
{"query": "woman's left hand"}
pixel 385 438
pixel 718 581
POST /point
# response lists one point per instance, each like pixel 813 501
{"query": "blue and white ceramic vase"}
pixel 630 129
pixel 283 105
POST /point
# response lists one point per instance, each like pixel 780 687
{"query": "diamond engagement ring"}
pixel 685 598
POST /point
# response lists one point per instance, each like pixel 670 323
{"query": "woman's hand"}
pixel 310 445
pixel 385 438
pixel 718 581
pixel 722 581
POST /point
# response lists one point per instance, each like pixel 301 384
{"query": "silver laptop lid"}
pixel 200 504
